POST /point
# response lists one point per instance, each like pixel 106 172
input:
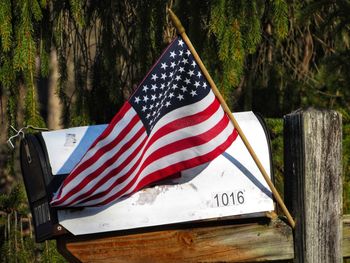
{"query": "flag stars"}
pixel 177 78
pixel 199 74
pixel 193 64
pixel 154 77
pixel 171 74
pixel 137 100
pixel 187 81
pixel 191 73
pixel 185 61
pixel 188 53
pixel 154 87
pixel 180 42
pixel 153 97
pixel 171 94
pixel 164 66
pixel 172 64
pixel 196 84
pixel 167 104
pixel 144 108
pixel 145 98
pixel 181 69
pixel 163 76
pixel 204 85
pixel 145 88
pixel 181 52
pixel 172 54
pixel 174 87
pixel 193 93
pixel 183 89
pixel 162 86
pixel 180 97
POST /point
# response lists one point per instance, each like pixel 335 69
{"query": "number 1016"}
pixel 229 198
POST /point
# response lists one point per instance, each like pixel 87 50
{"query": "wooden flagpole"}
pixel 181 31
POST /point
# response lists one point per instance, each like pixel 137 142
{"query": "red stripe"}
pixel 109 162
pixel 84 165
pixel 163 173
pixel 169 149
pixel 118 117
pixel 174 125
pixel 187 121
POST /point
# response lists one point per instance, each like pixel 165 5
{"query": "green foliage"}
pixel 275 129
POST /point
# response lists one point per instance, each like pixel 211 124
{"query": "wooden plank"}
pixel 227 243
pixel 346 236
pixel 313 183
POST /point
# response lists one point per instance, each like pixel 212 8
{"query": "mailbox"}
pixel 230 186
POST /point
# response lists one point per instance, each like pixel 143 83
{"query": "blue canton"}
pixel 175 81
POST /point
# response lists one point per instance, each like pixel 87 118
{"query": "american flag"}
pixel 172 122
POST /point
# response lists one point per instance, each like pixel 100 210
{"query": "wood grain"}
pixel 313 183
pixel 230 243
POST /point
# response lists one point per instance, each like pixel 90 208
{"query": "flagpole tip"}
pixel 176 22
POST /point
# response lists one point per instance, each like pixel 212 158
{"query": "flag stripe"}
pixel 165 131
pixel 129 149
pixel 173 121
pixel 127 186
pixel 169 149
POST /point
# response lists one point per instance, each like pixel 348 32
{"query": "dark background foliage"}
pixel 74 62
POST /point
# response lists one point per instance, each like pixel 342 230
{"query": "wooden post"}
pixel 313 184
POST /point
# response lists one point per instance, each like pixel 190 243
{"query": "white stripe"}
pixel 119 161
pixel 120 126
pixel 172 137
pixel 164 162
pixel 185 111
pixel 107 155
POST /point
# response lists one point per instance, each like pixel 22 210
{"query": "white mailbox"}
pixel 229 186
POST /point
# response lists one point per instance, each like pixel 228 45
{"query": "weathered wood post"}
pixel 313 184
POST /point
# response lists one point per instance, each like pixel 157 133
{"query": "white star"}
pixel 167 104
pixel 187 81
pixel 172 65
pixel 154 87
pixel 171 74
pixel 162 86
pixel 164 66
pixel 188 52
pixel 177 78
pixel 154 77
pixel 181 69
pixel 193 93
pixel 172 54
pixel 191 72
pixel 154 113
pixel 153 97
pixel 193 64
pixel 180 42
pixel 144 108
pixel 197 84
pixel 171 95
pixel 148 115
pixel 145 98
pixel 151 106
pixel 199 74
pixel 180 97
pixel 174 87
pixel 145 88
pixel 157 104
pixel 181 53
pixel 160 95
pixel 204 85
pixel 137 100
pixel 163 76
pixel 184 89
pixel 185 60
